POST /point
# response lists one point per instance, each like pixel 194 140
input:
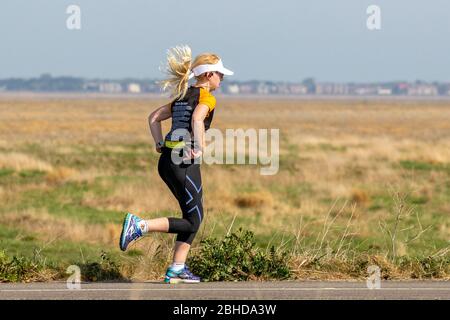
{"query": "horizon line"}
pixel 43 75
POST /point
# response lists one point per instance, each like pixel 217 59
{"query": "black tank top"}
pixel 182 111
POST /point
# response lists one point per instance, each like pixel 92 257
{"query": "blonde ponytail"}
pixel 178 68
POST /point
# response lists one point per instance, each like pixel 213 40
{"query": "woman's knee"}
pixel 194 227
pixel 186 237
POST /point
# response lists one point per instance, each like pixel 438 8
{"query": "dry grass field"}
pixel 359 181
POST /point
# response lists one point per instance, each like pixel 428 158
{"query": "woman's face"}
pixel 215 79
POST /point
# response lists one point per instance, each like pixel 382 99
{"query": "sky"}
pixel 283 40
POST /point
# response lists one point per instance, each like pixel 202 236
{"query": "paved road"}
pixel 230 290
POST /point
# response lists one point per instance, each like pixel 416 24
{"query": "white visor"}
pixel 198 70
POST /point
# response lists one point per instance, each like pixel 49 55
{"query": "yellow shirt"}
pixel 207 99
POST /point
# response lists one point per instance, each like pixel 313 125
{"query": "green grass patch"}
pixel 11 177
pixel 290 161
pixel 18 268
pixel 20 243
pixel 31 174
pixel 419 200
pixel 294 193
pixel 325 147
pixel 24 258
pixel 424 166
pixel 134 253
pixel 246 188
pixel 133 158
pixel 381 201
pixel 4 172
pixel 67 200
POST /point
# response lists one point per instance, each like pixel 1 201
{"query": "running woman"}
pixel 192 111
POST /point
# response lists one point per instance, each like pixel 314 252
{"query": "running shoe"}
pixel 130 231
pixel 182 276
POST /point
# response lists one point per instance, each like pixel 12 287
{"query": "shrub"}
pixel 21 269
pixel 106 269
pixel 426 267
pixel 236 257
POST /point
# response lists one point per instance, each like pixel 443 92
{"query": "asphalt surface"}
pixel 283 290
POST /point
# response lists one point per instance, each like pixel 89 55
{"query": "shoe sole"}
pixel 176 280
pixel 125 225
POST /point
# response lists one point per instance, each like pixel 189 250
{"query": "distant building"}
pixel 110 87
pixel 310 83
pixel 134 88
pixel 384 91
pixel 298 89
pixel 363 89
pixel 283 88
pixel 401 88
pixel 443 89
pixel 246 89
pixel 422 90
pixel 233 89
pixel 262 88
pixel 152 86
pixel 91 86
pixel 332 88
pixel 273 88
pixel 341 88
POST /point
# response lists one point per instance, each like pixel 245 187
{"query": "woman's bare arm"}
pixel 154 121
pixel 198 126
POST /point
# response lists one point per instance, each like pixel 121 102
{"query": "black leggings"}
pixel 185 182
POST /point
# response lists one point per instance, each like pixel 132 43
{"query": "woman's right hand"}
pixel 159 146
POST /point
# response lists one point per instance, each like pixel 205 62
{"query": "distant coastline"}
pixel 305 89
pixel 30 95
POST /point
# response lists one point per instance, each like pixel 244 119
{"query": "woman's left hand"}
pixel 193 154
